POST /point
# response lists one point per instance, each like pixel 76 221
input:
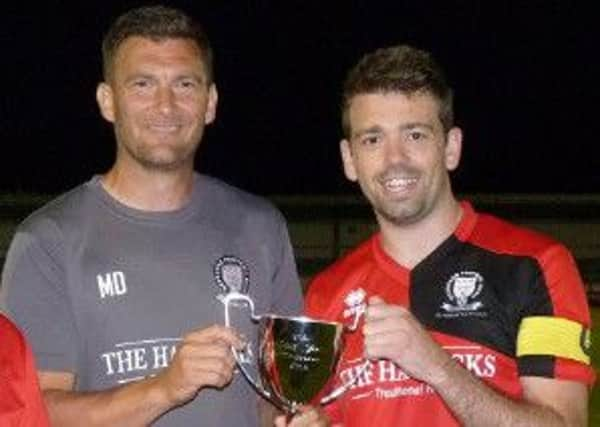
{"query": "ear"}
pixel 106 101
pixel 453 148
pixel 211 106
pixel 348 160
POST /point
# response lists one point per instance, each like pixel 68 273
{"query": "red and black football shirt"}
pixel 504 301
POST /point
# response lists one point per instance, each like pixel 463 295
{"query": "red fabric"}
pixel 21 403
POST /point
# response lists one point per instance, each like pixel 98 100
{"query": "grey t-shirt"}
pixel 106 291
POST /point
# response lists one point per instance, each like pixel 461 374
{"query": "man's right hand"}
pixel 203 359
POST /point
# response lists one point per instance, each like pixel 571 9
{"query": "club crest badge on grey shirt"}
pixel 231 275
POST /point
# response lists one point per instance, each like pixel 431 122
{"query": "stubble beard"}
pixel 410 210
pixel 167 159
pixel 161 157
pixel 400 210
pixel 399 213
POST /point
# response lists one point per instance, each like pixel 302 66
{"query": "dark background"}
pixel 525 75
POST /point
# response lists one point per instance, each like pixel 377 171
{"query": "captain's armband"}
pixel 554 336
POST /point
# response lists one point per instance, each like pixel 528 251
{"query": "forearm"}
pixel 133 405
pixel 475 404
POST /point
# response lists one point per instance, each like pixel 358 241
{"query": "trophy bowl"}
pixel 297 357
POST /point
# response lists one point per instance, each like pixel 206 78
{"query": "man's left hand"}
pixel 392 332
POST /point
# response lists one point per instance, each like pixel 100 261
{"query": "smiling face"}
pixel 159 100
pixel 400 155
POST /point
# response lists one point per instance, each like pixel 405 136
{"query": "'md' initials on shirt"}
pixel 111 284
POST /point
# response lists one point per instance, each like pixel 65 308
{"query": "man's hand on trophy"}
pixel 307 416
pixel 392 332
pixel 203 359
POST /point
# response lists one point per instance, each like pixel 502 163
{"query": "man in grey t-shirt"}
pixel 118 283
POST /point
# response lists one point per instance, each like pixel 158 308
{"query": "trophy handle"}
pixel 344 387
pixel 236 296
pixel 241 357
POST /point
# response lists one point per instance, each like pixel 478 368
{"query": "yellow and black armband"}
pixel 554 336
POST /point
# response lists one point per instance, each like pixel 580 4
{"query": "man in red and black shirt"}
pixel 20 397
pixel 469 320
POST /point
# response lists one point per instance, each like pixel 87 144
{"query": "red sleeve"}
pixel 565 285
pixel 21 402
pixel 569 301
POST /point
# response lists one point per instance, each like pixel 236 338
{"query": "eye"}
pixel 416 136
pixel 187 84
pixel 141 83
pixel 370 140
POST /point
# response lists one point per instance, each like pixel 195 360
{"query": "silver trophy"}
pixel 297 357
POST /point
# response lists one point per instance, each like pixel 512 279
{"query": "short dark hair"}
pixel 398 69
pixel 157 23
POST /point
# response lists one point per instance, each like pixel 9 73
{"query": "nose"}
pixel 396 151
pixel 165 99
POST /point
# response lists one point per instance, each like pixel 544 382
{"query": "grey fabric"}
pixel 106 291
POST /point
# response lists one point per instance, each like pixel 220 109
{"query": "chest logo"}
pixel 355 303
pixel 462 291
pixel 231 275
